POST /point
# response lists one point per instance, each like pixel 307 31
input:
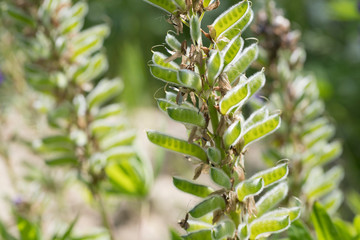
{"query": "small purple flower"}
pixel 1 78
pixel 18 200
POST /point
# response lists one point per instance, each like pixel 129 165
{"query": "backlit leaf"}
pixel 263 227
pixel 234 98
pixel 232 134
pixel 232 50
pixel 273 175
pixel 272 198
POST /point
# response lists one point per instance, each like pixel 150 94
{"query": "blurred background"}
pixel 331 36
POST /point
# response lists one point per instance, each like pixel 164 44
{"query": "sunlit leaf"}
pixel 324 227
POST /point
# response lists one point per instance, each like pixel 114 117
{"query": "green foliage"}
pixel 210 86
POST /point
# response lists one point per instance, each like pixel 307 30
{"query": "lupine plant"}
pixel 207 90
pixel 89 133
pixel 305 136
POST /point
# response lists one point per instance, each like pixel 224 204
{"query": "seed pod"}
pixel 103 92
pixel 189 79
pixel 177 145
pixel 224 230
pixel 232 50
pixel 195 30
pixel 208 205
pixel 172 42
pixel 192 188
pixel 198 235
pixel 166 5
pixel 234 98
pixel 263 227
pixel 248 188
pixel 232 134
pixel 273 175
pixel 186 115
pixel 220 177
pixel 293 213
pixel 256 82
pixel 240 25
pixel 238 66
pixel 214 155
pixel 165 74
pixel 214 67
pixel 159 59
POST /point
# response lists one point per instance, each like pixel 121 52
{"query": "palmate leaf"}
pixel 230 17
pixel 177 145
pixel 208 205
pixel 241 62
pixel 324 227
pixel 192 188
pixel 220 177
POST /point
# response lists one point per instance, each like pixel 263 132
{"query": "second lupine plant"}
pixel 207 92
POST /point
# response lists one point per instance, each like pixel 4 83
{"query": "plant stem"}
pixel 104 215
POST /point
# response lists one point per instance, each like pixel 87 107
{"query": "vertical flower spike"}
pixel 208 97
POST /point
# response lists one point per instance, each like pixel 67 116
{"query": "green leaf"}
pixel 103 92
pixel 195 32
pixel 262 129
pixel 181 4
pixel 61 161
pixel 232 50
pixel 230 17
pixel 19 16
pixel 214 155
pixel 239 65
pixel 159 59
pixel 324 227
pixel 234 98
pixel 165 74
pixel 96 66
pixel 121 153
pixel 243 231
pixel 263 227
pixel 232 134
pixel 333 201
pixel 330 152
pixel 27 229
pixel 190 79
pixel 172 42
pixel 197 225
pixel 214 67
pixel 186 115
pixel 273 175
pixel 198 235
pixel 272 198
pixel 299 231
pixel 321 134
pixel 174 235
pixel 166 5
pixel 248 188
pixel 192 188
pixel 208 205
pixel 4 232
pixel 293 213
pixel 224 230
pixel 119 139
pixel 177 145
pixel 220 177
